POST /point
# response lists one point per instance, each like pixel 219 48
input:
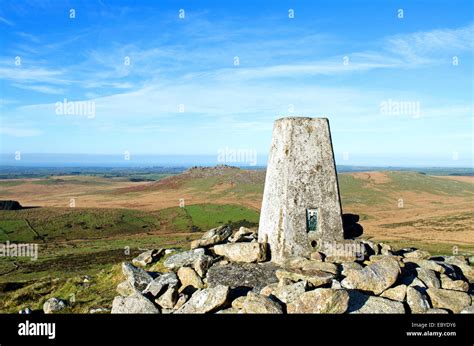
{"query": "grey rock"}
pixel 468 310
pixel 320 301
pixel 417 254
pixel 169 298
pixel 452 271
pixel 456 260
pixel 53 305
pixel 212 237
pixel 206 300
pixel 156 286
pixel 182 298
pixel 385 249
pixel 428 277
pixel 360 303
pixel 296 262
pixel 268 290
pixel 252 238
pixel 242 252
pixel 341 258
pixel 323 266
pixel 397 293
pixel 467 271
pixel 136 277
pixel 168 251
pixel 426 264
pixel 314 277
pixel 417 301
pixel 375 258
pixel 250 275
pixel 336 285
pixel 287 293
pixel 409 278
pixel 454 301
pixel 182 259
pixel 229 311
pixel 202 263
pixel 134 304
pixel 436 311
pixel 241 234
pixel 375 277
pixel 189 277
pixel 258 304
pixel 417 283
pixel 457 285
pixel 238 303
pixel 99 311
pixel 346 267
pixel 147 257
pixel 125 289
pixel 317 256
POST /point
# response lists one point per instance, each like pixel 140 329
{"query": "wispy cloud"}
pixel 29 37
pixel 426 47
pixel 31 74
pixel 19 132
pixel 44 89
pixel 332 67
pixel 3 20
pixel 401 51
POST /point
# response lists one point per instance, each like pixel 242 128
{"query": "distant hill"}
pixel 115 218
pixel 404 208
pixel 203 178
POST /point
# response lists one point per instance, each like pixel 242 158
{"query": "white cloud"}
pixel 332 67
pixel 19 132
pixel 28 36
pixel 427 46
pixel 6 21
pixel 35 74
pixel 45 89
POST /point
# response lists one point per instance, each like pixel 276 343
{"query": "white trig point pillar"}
pixel 301 204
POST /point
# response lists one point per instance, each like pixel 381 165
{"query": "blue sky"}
pixel 183 94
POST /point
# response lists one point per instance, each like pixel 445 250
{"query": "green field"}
pixel 73 232
pixel 73 242
pixel 202 217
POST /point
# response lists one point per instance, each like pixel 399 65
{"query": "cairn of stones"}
pixel 229 272
pixel 298 261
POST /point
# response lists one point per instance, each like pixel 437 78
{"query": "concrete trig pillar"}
pixel 301 203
